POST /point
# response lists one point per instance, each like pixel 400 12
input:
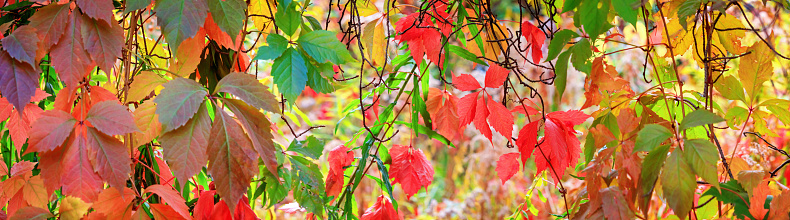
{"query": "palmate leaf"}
pixel 111 118
pixel 275 48
pixel 233 159
pixel 110 158
pixel 180 19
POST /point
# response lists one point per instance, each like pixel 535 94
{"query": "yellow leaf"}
pixel 731 39
pixel 262 11
pixel 73 208
pixel 367 8
pixel 35 193
pixel 375 42
pixel 755 69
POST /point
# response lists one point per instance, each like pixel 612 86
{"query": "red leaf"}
pixel 172 198
pixel 20 81
pixel 422 40
pixel 259 129
pixel 615 207
pixel 69 57
pixel 50 21
pixel 536 38
pixel 205 205
pixel 185 147
pixel 77 175
pixel 50 130
pixel 381 210
pixel 507 166
pixel 215 33
pixel 561 144
pixel 495 76
pixel 500 118
pixel 481 113
pixel 338 158
pixel 443 107
pixel 165 176
pixel 19 125
pixel 527 139
pixel 178 102
pixel 234 162
pixel 759 194
pixel 22 44
pixel 98 9
pixel 162 211
pixel 188 54
pixel 410 168
pixel 22 167
pixel 103 40
pixel 111 118
pixel 110 157
pixel 114 204
pixel 466 108
pixel 466 82
pixel 31 213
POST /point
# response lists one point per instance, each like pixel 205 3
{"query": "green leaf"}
pixel 180 19
pixel 699 117
pixel 733 194
pixel 702 156
pixel 275 190
pixel 581 56
pixel 651 167
pixel 288 19
pixel 626 9
pixel 569 5
pixel 651 136
pixel 178 102
pixel 317 82
pixel 312 147
pixel 594 17
pixel 686 9
pixel 463 53
pixel 780 109
pixel 561 70
pixel 308 184
pixel 560 39
pixel 730 88
pixel 324 46
pixel 132 5
pixel 275 48
pixel 678 184
pixel 229 15
pixel 290 74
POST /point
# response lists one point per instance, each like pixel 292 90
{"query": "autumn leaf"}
pixel 250 90
pixel 172 198
pixel 338 159
pixel 375 42
pixel 527 139
pixel 561 147
pixel 229 15
pixel 507 166
pixel 73 208
pixel 110 157
pixel 535 37
pixel 757 200
pixel 234 161
pixel 258 128
pixel 615 207
pixel 50 130
pixel 602 80
pixel 443 107
pixel 484 112
pixel 114 203
pixel 50 21
pixel 111 118
pixel 185 147
pixel 31 213
pixel 381 210
pixel 679 184
pixel 22 45
pixel 187 57
pixel 147 120
pixel 178 102
pixel 21 81
pixel 102 40
pixel 162 211
pixel 180 19
pixel 755 69
pixel 70 59
pixel 143 84
pixel 422 40
pixel 98 9
pixel 410 168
